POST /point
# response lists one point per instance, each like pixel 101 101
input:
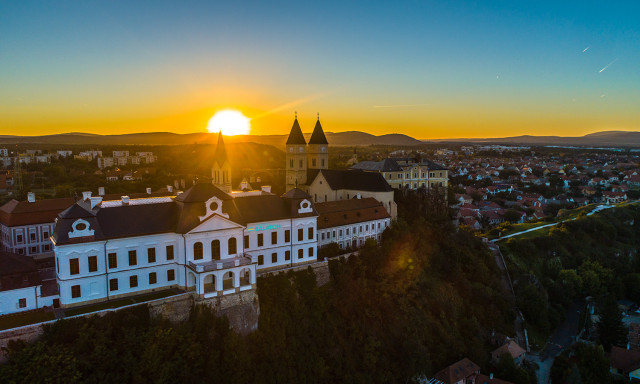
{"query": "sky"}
pixel 428 69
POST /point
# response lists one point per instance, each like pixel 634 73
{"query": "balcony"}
pixel 216 265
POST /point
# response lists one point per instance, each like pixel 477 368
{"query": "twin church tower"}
pixel 300 158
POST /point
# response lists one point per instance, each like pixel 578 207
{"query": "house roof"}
pixel 16 213
pixel 354 180
pixel 386 165
pixel 457 371
pixel 17 271
pixel 345 212
pixel 318 137
pixel 178 215
pixel 510 347
pixel 295 136
pixel 626 360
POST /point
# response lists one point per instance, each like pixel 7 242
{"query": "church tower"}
pixel 296 167
pixel 318 149
pixel 221 170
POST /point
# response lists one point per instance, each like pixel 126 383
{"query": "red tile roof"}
pixel 345 212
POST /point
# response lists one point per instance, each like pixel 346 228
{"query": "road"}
pixel 562 338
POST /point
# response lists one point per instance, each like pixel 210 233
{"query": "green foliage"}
pixel 611 330
pixel 592 256
pixel 581 364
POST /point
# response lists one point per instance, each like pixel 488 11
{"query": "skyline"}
pixel 427 70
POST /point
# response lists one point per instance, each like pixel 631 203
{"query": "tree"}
pixel 611 330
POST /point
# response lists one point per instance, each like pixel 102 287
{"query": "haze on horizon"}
pixel 426 69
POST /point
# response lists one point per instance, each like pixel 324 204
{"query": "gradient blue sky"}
pixel 428 69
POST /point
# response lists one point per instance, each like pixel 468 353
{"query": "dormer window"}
pixel 80 228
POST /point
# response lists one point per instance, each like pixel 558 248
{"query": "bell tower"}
pixel 296 157
pixel 318 149
pixel 221 170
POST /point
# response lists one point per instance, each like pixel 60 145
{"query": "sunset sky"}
pixel 429 69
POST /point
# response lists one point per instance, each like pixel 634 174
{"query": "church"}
pixel 307 168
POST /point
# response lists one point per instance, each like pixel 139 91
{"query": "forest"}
pixel 427 297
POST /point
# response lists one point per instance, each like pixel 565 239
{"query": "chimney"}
pixel 148 191
pixel 31 197
pixel 101 191
pixel 125 200
pixel 95 201
pixel 266 188
pixel 358 196
pixel 170 188
pixel 86 195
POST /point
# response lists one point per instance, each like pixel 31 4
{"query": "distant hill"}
pixel 605 138
pixel 168 138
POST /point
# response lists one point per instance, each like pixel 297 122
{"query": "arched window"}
pixel 215 250
pixel 197 251
pixel 233 248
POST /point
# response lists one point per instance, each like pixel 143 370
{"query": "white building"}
pixel 65 153
pixel 204 240
pixel 4 152
pixel 350 223
pixel 105 162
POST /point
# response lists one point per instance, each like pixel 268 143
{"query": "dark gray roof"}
pixel 296 193
pixel 296 136
pixel 17 271
pixel 353 179
pixel 178 216
pixel 433 166
pixel 386 165
pixel 318 137
pixel 202 192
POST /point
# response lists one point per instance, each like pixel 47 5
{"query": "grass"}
pixel 120 302
pixel 24 318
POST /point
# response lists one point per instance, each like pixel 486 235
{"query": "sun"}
pixel 230 122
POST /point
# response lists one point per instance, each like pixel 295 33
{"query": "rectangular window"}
pixel 347 231
pixel 274 238
pixel 334 234
pixel 34 249
pixel 33 236
pixel 322 236
pixel 300 253
pixel 74 266
pixel 151 255
pixel 246 241
pixel 287 255
pixel 310 231
pixel 46 247
pixel 287 236
pixel 22 303
pixel 169 252
pixel 361 229
pixel 171 275
pixel 75 291
pixel 93 263
pixel 260 239
pixel 113 285
pixel 310 252
pixel 19 238
pixel 274 258
pixel 340 233
pixel 153 278
pixel 45 234
pixel 113 260
pixel 133 281
pixel 300 234
pixel 260 260
pixel 133 257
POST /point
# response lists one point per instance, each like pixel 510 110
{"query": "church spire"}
pixel 221 153
pixel 295 136
pixel 318 137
